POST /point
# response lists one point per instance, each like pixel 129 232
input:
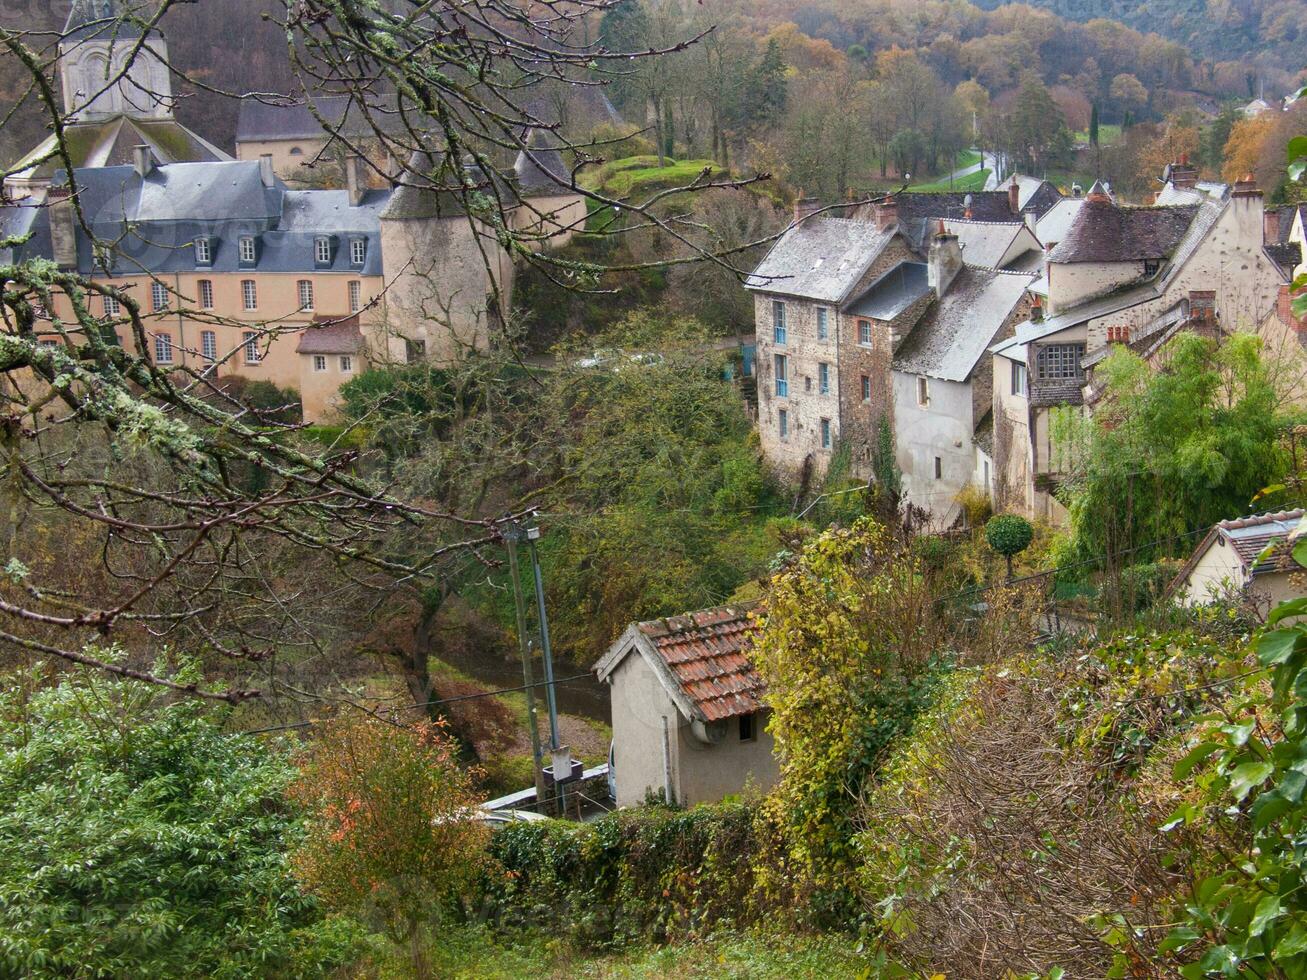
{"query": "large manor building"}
pixel 235 271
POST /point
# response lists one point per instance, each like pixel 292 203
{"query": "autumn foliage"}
pixel 390 836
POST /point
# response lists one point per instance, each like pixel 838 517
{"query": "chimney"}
pixel 1014 196
pixel 1202 305
pixel 63 236
pixel 887 214
pixel 944 261
pixel 1032 219
pixel 265 170
pixel 354 179
pixel 805 207
pixel 1036 311
pixel 1246 187
pixel 142 160
pixel 1284 307
pixel 1271 227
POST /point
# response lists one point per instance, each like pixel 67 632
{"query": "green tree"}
pixel 1170 452
pixel 137 838
pixel 1009 535
pixel 1093 126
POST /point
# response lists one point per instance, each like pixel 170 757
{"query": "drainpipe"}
pixel 181 320
pixel 667 765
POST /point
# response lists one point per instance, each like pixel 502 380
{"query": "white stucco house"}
pixel 1250 555
pixel 689 722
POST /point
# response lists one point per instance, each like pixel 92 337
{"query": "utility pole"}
pixel 512 535
pixel 551 698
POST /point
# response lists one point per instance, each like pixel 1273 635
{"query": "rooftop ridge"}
pixel 1254 520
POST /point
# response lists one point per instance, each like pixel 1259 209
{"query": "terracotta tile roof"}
pixel 1250 536
pixel 707 655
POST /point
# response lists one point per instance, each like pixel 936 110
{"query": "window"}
pixel 866 388
pixel 203 252
pixel 864 333
pixel 748 728
pixel 306 294
pixel 923 391
pixel 783 422
pixel 355 296
pixel 111 306
pixel 319 362
pixel 209 345
pixel 158 296
pixel 163 348
pixel 247 251
pixel 322 250
pixel 939 468
pixel 778 321
pixel 1018 378
pixel 825 433
pixel 295 151
pixel 807 384
pixel 346 364
pixel 109 335
pixel 823 378
pixel 358 251
pixel 823 324
pixel 986 474
pixel 1151 266
pixel 1059 362
pixel 252 353
pixel 206 294
pixel 782 375
pixel 249 294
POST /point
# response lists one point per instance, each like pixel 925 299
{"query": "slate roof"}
pixel 984 243
pixel 1033 193
pixel 1057 220
pixel 892 293
pixel 820 259
pixel 421 195
pixel 955 332
pixel 702 658
pixel 1104 231
pixel 983 437
pixel 155 221
pixel 1287 256
pixel 330 335
pixel 540 168
pixel 344 114
pixel 917 210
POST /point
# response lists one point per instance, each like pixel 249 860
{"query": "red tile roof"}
pixel 1250 536
pixel 707 655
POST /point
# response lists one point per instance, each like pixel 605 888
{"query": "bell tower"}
pixel 110 67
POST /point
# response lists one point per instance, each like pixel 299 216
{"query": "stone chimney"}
pixel 354 181
pixel 142 160
pixel 805 207
pixel 1014 196
pixel 63 234
pixel 1182 174
pixel 1202 305
pixel 944 261
pixel 1271 226
pixel 265 170
pixel 887 214
pixel 1249 216
pixel 1032 219
pixel 1036 311
pixel 1284 308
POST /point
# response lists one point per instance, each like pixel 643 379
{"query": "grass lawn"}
pixel 971 182
pixel 475 952
pixel 641 174
pixel 1108 133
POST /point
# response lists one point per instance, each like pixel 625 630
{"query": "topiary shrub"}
pixel 1009 535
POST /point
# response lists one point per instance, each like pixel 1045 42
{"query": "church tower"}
pixel 98 41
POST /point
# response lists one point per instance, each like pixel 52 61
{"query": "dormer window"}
pixel 358 251
pixel 1151 266
pixel 248 251
pixel 322 250
pixel 203 251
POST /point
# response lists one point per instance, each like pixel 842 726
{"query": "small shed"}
pixel 689 722
pixel 1250 554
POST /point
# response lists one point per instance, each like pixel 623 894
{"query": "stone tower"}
pixel 109 68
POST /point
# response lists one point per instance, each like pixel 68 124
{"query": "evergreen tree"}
pixel 625 27
pixel 1093 126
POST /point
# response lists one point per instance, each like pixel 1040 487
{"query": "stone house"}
pixel 1115 278
pixel 689 721
pixel 1249 555
pixel 943 379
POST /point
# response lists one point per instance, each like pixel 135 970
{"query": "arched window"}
pixel 295 151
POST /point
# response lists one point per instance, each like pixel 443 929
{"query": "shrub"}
pixel 653 874
pixel 138 839
pixel 1009 535
pixel 976 504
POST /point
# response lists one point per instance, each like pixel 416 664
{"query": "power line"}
pixel 423 704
